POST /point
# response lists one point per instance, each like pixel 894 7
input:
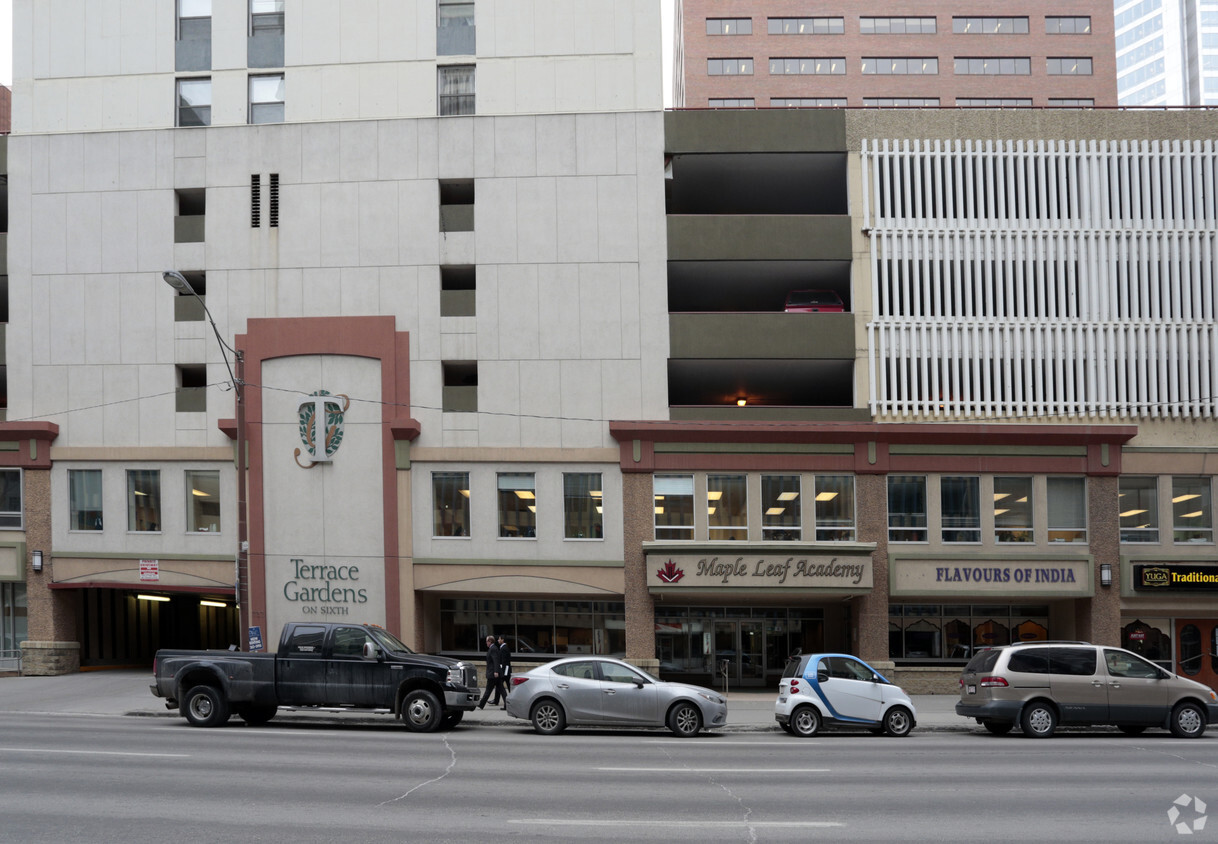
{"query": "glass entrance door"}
pixel 740 652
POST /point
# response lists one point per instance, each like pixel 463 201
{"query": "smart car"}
pixel 602 691
pixel 818 690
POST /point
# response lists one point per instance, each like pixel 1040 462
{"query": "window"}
pixel 834 508
pixel 883 66
pixel 780 508
pixel 455 30
pixel 266 99
pixel 517 506
pixel 143 500
pixel 1068 67
pixel 807 26
pixel 729 26
pixel 808 67
pixel 192 51
pixel 960 501
pixel 458 290
pixel 306 640
pixel 188 308
pixel 1071 102
pixel 1121 664
pixel 994 102
pixel 349 641
pixel 897 26
pixel 1067 499
pixel 265 41
pixel 202 500
pixel 611 672
pixel 727 506
pixel 190 223
pixel 737 102
pixel 990 26
pixel 1139 505
pixel 84 499
pixel 674 506
pixel 900 102
pixel 266 15
pixel 808 102
pixel 906 508
pixel 1013 509
pixel 194 102
pixel 729 67
pixel 993 66
pixel 455 89
pixel 450 503
pixel 456 205
pixel 460 391
pixel 191 395
pixel 1192 511
pixel 582 502
pixel 11 511
pixel 1067 25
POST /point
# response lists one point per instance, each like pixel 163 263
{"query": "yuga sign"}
pixel 1192 578
pixel 781 571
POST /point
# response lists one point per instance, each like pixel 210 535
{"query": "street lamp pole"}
pixel 178 282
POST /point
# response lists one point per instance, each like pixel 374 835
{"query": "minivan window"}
pixel 1075 662
pixel 983 661
pixel 1030 661
pixel 1125 664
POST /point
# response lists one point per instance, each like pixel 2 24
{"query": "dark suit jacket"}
pixel 505 657
pixel 494 664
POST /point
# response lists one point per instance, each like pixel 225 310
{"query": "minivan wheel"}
pixel 1038 720
pixel 998 728
pixel 805 721
pixel 1187 721
pixel 898 722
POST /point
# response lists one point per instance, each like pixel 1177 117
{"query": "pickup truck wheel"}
pixel 256 716
pixel 205 706
pixel 421 711
pixel 452 719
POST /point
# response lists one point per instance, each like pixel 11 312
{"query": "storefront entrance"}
pixel 1197 650
pixel 740 652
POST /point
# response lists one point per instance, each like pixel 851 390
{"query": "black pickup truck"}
pixel 351 666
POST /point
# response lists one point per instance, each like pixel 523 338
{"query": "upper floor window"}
pixel 674 506
pixel 729 67
pixel 897 26
pixel 806 26
pixel 1139 507
pixel 84 499
pixel 202 500
pixel 1055 25
pixel 780 507
pixel 266 99
pixel 731 102
pixel 265 44
pixel 900 66
pixel 1070 102
pixel 807 67
pixel 727 506
pixel 455 30
pixel 993 66
pixel 994 102
pixel 193 48
pixel 729 26
pixel 900 102
pixel 266 15
pixel 835 508
pixel 456 89
pixel 1013 509
pixel 1192 510
pixel 990 26
pixel 583 505
pixel 1067 504
pixel 143 500
pixel 907 508
pixel 517 506
pixel 807 102
pixel 960 502
pixel 194 102
pixel 450 503
pixel 1057 66
pixel 11 510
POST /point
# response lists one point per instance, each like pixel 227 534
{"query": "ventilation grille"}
pixel 255 201
pixel 274 214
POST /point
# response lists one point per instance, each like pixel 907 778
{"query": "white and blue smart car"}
pixel 819 690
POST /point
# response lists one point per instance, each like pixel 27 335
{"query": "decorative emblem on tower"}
pixel 321 422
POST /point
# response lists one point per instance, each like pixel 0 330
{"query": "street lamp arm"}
pixel 178 282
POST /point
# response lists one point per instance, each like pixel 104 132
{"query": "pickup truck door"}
pixel 351 679
pixel 300 671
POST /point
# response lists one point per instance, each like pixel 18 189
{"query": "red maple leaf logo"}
pixel 669 573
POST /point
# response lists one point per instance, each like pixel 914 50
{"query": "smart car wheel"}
pixel 1038 720
pixel 548 718
pixel 998 728
pixel 685 720
pixel 1187 721
pixel 898 721
pixel 805 721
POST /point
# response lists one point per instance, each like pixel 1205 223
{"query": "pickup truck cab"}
pixel 332 665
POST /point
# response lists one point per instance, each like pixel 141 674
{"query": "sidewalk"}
pixel 126 693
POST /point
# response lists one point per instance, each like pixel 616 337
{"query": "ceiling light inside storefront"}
pixel 714 495
pixel 464 492
pixel 776 511
pixel 200 493
pixel 1129 513
pixel 1180 498
pixel 826 496
pixel 1000 512
pixel 791 496
pixel 525 494
pixel 998 496
pixel 595 493
pixel 1192 515
pixel 659 511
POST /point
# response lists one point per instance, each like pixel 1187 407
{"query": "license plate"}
pixel 972 690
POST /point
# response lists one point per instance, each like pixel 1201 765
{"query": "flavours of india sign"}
pixel 769 571
pixel 1033 576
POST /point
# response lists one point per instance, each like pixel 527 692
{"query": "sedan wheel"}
pixel 685 720
pixel 548 718
pixel 805 721
pixel 1187 721
pixel 898 722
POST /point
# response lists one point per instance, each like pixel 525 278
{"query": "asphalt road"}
pixel 66 778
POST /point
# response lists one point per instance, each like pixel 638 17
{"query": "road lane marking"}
pixel 720 744
pixel 668 822
pixel 93 752
pixel 671 770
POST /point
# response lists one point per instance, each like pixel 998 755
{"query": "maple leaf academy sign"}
pixel 759 571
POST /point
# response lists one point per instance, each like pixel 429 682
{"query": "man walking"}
pixel 505 668
pixel 494 676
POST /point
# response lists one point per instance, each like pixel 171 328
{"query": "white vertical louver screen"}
pixel 1021 280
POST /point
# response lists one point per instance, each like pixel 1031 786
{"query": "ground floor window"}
pixel 744 643
pixel 13 629
pixel 1148 637
pixel 534 628
pixel 955 631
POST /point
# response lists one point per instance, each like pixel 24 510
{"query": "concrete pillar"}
pixel 638 510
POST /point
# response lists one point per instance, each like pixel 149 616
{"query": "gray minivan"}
pixel 1039 685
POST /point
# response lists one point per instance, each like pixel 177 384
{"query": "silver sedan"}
pixel 608 692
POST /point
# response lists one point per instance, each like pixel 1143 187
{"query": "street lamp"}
pixel 178 282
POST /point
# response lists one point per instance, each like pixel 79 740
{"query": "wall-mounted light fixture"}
pixel 1105 574
pixel 36 560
